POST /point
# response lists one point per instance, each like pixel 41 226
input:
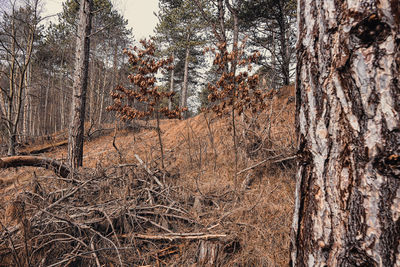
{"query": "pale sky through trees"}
pixel 138 12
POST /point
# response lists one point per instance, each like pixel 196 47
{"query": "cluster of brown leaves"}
pixel 145 98
pixel 235 90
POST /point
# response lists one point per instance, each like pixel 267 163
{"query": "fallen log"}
pixel 44 148
pixel 20 161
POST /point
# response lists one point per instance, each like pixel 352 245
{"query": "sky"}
pixel 138 12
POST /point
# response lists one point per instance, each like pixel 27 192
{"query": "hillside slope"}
pixel 251 209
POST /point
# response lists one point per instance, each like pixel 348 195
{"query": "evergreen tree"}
pixel 179 34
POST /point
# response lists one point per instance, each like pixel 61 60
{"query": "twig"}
pixel 15 254
pixel 62 198
pixel 114 145
pixel 112 226
pixel 94 253
pixel 113 244
pixel 149 171
pixel 155 224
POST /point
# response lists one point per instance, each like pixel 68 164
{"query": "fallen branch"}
pixel 177 236
pixel 20 161
pixel 44 148
pixel 265 161
pixel 98 132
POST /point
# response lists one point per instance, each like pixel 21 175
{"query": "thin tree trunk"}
pixel 347 207
pixel 27 104
pixel 102 93
pixel 159 138
pixel 171 84
pixel 185 79
pixel 234 14
pixel 76 129
pixel 10 97
pixel 46 107
pixel 62 94
pixel 284 50
pixel 273 64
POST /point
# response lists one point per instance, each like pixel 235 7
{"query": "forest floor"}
pixel 245 211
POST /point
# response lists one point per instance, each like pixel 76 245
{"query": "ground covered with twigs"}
pixel 122 209
pixel 122 215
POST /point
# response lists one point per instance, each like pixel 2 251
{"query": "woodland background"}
pixel 37 60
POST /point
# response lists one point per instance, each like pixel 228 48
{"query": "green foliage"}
pixel 180 28
pixel 270 25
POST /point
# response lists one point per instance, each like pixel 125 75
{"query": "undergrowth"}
pixel 127 210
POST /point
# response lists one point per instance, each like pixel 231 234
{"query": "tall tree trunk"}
pixel 185 79
pixel 62 93
pixel 284 45
pixel 76 129
pixel 272 76
pixel 102 93
pixel 46 118
pixel 347 208
pixel 27 104
pixel 171 84
pixel 10 96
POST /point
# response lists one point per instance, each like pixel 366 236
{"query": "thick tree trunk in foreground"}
pixel 347 206
pixel 76 128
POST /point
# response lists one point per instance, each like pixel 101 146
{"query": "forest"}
pixel 241 133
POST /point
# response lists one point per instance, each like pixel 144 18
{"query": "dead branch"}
pixel 148 171
pixel 268 160
pixel 20 161
pixel 177 236
pixel 44 148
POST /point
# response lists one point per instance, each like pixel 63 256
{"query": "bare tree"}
pixel 348 120
pixel 18 33
pixel 76 128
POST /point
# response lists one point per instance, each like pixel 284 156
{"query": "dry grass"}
pixel 199 161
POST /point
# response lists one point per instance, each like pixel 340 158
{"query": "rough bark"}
pixel 208 253
pixel 76 129
pixel 347 206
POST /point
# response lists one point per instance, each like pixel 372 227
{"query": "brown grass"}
pixel 200 165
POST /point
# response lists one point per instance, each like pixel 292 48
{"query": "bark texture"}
pixel 76 129
pixel 347 205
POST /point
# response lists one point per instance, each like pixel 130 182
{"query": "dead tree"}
pixel 18 30
pixel 348 121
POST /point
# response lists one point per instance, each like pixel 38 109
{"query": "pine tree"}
pixel 348 121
